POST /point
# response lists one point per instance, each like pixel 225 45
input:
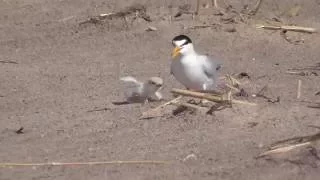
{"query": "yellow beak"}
pixel 176 52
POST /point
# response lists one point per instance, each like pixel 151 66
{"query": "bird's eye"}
pixel 185 43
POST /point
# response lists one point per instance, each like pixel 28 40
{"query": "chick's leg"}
pixel 158 95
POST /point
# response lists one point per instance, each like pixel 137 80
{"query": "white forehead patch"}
pixel 179 43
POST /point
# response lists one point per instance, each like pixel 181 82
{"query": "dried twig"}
pixel 215 4
pixel 269 99
pixel 188 105
pixel 316 106
pixel 255 10
pixel 151 28
pixel 138 9
pixel 192 106
pixel 210 97
pixel 184 9
pixel 204 26
pixel 197 8
pixel 307 68
pixel 284 149
pixel 233 88
pixel 302 73
pixel 156 111
pixel 234 81
pixel 80 163
pixel 314 126
pixel 289 28
pixel 100 109
pixel 8 62
pixel 299 89
pixel 290 144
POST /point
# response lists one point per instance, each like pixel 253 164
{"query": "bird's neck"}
pixel 191 52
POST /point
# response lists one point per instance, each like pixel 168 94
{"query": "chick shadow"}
pixel 134 100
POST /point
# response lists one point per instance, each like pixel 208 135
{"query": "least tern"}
pixel 194 71
pixel 143 91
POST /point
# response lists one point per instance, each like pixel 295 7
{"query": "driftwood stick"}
pixel 289 28
pixel 200 95
pixel 210 97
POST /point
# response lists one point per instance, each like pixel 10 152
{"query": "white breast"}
pixel 188 71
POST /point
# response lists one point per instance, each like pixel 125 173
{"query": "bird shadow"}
pixel 119 103
pixel 133 101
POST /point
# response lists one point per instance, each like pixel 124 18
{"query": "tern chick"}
pixel 196 72
pixel 142 92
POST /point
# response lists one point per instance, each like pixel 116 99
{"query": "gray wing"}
pixel 211 66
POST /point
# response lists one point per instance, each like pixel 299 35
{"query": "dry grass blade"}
pixel 302 73
pixel 192 106
pixel 289 28
pixel 257 7
pixel 80 163
pixel 215 26
pixel 234 81
pixel 197 8
pixel 314 126
pixel 151 28
pixel 290 144
pixel 315 67
pixel 233 88
pixel 156 112
pixel 314 106
pixel 283 149
pixel 299 89
pixel 215 4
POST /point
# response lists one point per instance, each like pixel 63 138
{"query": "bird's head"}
pixel 183 45
pixel 154 83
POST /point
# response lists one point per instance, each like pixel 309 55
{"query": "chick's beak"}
pixel 176 52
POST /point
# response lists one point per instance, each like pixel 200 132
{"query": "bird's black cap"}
pixel 182 37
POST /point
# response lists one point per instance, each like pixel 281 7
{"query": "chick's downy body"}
pixel 141 92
